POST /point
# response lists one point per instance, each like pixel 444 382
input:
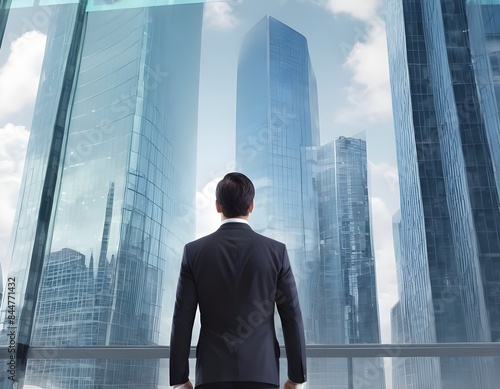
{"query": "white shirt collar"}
pixel 234 220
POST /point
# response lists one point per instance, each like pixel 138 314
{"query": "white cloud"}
pixel 207 218
pixel 19 78
pixel 20 74
pixel 386 175
pixel 219 15
pixel 13 142
pixel 369 95
pixel 358 9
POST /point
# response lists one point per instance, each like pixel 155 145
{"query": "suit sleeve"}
pixel 287 301
pixel 186 302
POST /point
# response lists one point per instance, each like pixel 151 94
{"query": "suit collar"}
pixel 235 226
pixel 235 220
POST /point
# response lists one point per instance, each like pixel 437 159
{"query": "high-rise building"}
pixel 278 145
pixel 402 367
pixel 347 295
pixel 446 119
pixel 352 225
pixel 397 337
pixel 65 316
pixel 331 299
pixel 108 192
pixel 276 130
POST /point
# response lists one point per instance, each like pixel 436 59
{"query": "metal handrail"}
pixel 313 351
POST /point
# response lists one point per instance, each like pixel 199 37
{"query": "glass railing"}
pixel 455 365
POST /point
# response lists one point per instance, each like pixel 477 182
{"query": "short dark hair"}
pixel 235 193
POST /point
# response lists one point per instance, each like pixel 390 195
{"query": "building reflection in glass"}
pixel 108 192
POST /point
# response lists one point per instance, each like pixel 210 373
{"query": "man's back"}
pixel 236 272
pixel 236 276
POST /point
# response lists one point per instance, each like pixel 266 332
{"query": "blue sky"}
pixel 347 46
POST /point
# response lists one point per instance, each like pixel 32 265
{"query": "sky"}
pixel 347 45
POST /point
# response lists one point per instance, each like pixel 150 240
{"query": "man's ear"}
pixel 217 207
pixel 250 208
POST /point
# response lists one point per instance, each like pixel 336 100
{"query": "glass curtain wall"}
pixel 118 202
pixel 445 132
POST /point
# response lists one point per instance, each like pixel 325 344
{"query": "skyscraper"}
pixel 398 368
pixel 446 120
pixel 347 295
pixel 65 316
pixel 109 183
pixel 402 376
pixel 276 130
pixel 352 224
pixel 331 299
pixel 278 145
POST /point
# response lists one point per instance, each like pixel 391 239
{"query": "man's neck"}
pixel 242 219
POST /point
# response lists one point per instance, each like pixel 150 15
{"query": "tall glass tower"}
pixel 108 190
pixel 347 295
pixel 446 120
pixel 353 226
pixel 276 130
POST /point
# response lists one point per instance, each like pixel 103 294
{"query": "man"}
pixel 237 277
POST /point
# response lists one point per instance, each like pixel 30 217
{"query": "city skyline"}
pixel 361 25
pixel 78 167
pixel 214 159
pixel 363 38
pixel 365 28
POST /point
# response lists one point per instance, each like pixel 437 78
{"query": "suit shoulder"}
pixel 269 241
pixel 200 241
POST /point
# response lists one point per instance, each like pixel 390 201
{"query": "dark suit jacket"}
pixel 237 277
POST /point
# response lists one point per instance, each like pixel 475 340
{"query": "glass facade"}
pixel 333 325
pixel 114 107
pixel 348 309
pixel 448 186
pixel 403 369
pixel 276 129
pixel 41 172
